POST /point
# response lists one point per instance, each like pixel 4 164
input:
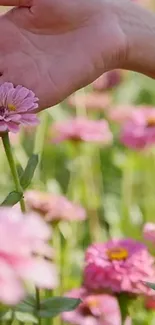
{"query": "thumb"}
pixel 16 3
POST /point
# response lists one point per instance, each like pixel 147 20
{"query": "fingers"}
pixel 16 3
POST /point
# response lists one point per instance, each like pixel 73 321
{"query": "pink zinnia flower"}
pixel 23 239
pixel 54 207
pixel 17 105
pixel 101 309
pixel 82 129
pixel 119 266
pixel 139 131
pixel 121 114
pixel 149 232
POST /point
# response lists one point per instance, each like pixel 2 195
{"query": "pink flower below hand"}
pixel 119 266
pixel 54 207
pixel 121 114
pixel 82 129
pixel 139 131
pixel 17 107
pixel 100 309
pixel 23 239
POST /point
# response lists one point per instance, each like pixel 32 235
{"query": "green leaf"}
pixel 12 198
pixel 25 308
pixel 54 306
pixel 30 300
pixel 28 305
pixel 25 317
pixel 20 170
pixel 150 285
pixel 28 173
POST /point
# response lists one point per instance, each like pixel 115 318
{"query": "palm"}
pixel 55 52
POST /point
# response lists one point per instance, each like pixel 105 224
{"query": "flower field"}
pixel 82 251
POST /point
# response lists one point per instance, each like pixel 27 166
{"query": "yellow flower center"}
pixel 151 121
pixel 117 253
pixel 92 302
pixel 11 107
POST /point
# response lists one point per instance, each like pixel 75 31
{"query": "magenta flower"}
pixel 23 239
pixel 139 131
pixel 149 232
pixel 101 309
pixel 54 207
pixel 119 266
pixel 82 129
pixel 17 106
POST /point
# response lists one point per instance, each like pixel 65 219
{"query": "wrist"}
pixel 138 25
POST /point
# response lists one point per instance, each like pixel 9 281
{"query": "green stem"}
pixel 57 244
pixel 58 248
pixel 8 151
pixel 80 111
pixel 41 133
pixel 124 301
pixel 40 140
pixel 91 190
pixel 48 294
pixel 38 304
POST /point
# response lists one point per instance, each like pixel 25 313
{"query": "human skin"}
pixel 55 47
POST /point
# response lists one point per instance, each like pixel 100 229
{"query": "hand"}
pixel 55 47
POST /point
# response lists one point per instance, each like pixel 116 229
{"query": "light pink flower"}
pixel 149 232
pixel 121 114
pixel 82 129
pixel 139 131
pixel 108 80
pixel 54 207
pixel 92 101
pixel 17 105
pixel 101 309
pixel 23 240
pixel 119 266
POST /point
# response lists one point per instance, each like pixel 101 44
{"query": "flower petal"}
pixel 11 289
pixel 39 271
pixel 12 127
pixel 3 126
